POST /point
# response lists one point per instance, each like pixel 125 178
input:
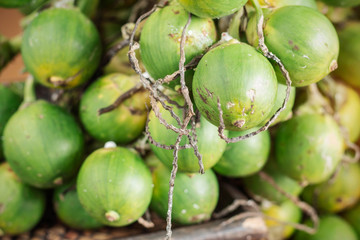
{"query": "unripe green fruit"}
pixel 338 193
pixel 212 8
pixel 349 56
pixel 194 199
pixel 160 40
pixel 61 48
pixel 303 39
pixel 309 147
pixel 125 123
pixel 43 145
pixel 331 227
pixel 245 157
pixel 114 186
pixel 21 206
pixel 242 79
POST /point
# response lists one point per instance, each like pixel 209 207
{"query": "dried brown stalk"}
pixel 114 50
pixel 189 114
pixel 146 223
pixel 302 205
pixel 235 205
pixel 285 73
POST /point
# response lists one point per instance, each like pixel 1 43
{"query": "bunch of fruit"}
pixel 196 93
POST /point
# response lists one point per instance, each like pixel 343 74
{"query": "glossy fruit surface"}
pixel 286 212
pixel 244 157
pixel 210 145
pixel 259 187
pixel 292 34
pixel 331 227
pixel 114 186
pixel 43 145
pixel 125 123
pixel 21 206
pixel 349 56
pixel 338 193
pixel 242 79
pixel 69 210
pixel 61 48
pixel 160 40
pixel 309 147
pixel 212 8
pixel 195 196
pixel 9 103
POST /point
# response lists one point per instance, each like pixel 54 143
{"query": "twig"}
pixel 189 114
pixel 171 188
pixel 59 82
pixel 159 145
pixel 284 72
pixel 235 205
pixel 193 143
pixel 239 217
pixel 146 223
pixel 244 215
pixel 137 88
pixel 114 50
pixel 302 205
pixel 240 200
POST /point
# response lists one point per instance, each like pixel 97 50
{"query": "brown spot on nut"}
pixel 239 123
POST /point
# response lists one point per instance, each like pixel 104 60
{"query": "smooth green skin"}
pixel 262 188
pixel 349 111
pixel 338 193
pixel 61 43
pixel 9 103
pixel 69 210
pixel 280 97
pixel 308 51
pixel 286 212
pixel 212 8
pixel 210 145
pixel 331 227
pixel 126 122
pixel 244 157
pixel 243 80
pixel 194 199
pixel 160 40
pixel 309 147
pixel 349 57
pixel 43 145
pixel 283 3
pixel 114 179
pixel 352 216
pixel 342 3
pixel 13 3
pixel 21 206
